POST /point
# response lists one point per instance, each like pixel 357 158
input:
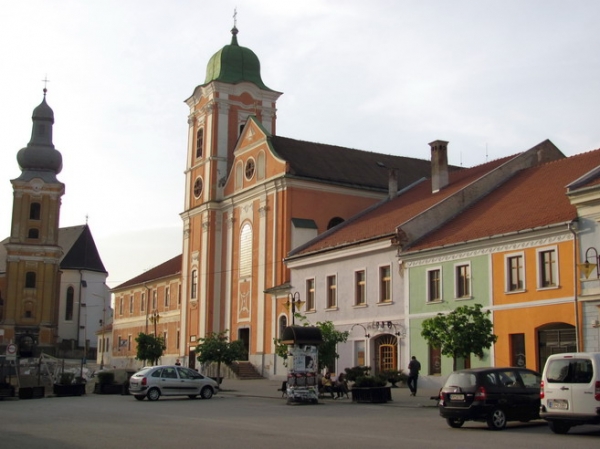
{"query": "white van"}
pixel 570 390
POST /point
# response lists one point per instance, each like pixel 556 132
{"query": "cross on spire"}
pixel 45 81
pixel 235 17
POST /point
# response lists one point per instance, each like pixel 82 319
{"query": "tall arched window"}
pixel 35 211
pixel 70 302
pixel 199 142
pixel 246 250
pixel 282 325
pixel 30 279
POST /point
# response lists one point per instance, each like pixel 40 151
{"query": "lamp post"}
pixel 102 348
pixel 154 318
pixel 294 301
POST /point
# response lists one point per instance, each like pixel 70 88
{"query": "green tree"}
pixel 216 347
pixel 149 348
pixel 464 331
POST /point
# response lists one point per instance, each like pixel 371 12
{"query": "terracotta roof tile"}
pixel 171 267
pixel 534 197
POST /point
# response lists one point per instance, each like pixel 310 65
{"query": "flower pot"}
pixel 374 395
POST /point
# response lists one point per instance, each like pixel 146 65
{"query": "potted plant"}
pixel 394 376
pixel 371 389
pixel 67 385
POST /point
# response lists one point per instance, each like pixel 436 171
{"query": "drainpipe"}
pixel 573 228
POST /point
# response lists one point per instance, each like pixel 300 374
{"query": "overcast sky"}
pixel 493 77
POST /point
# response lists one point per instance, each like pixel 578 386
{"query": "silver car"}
pixel 170 380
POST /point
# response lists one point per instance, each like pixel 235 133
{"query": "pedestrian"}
pixel 178 363
pixel 413 374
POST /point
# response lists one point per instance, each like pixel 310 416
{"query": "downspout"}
pixel 147 306
pixel 572 225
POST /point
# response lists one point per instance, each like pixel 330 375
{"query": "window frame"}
pixel 508 270
pixel 429 298
pixel 199 142
pixel 460 284
pixel 310 294
pixel 194 284
pixel 331 282
pixel 385 284
pixel 541 267
pixel 360 288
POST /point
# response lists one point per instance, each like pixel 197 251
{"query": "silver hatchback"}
pixel 152 382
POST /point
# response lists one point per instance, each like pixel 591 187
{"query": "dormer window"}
pixel 199 142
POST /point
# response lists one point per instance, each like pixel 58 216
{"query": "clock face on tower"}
pixel 198 188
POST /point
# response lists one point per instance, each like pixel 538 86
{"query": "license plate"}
pixel 558 404
pixel 457 397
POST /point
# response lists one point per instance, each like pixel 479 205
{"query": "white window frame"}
pixel 310 294
pixel 381 280
pixel 540 268
pixel 328 294
pixel 428 299
pixel 360 287
pixel 469 294
pixel 507 271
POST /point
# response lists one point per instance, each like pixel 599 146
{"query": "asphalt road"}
pixel 229 421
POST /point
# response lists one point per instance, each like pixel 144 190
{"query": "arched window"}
pixel 282 325
pixel 194 284
pixel 33 233
pixel 246 251
pixel 199 142
pixel 35 211
pixel 30 279
pixel 69 303
pixel 334 222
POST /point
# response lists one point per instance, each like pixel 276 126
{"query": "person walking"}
pixel 413 375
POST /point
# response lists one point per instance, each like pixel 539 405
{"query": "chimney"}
pixel 439 165
pixel 392 183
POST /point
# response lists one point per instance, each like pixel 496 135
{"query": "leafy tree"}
pixel 464 331
pixel 149 348
pixel 216 347
pixel 327 349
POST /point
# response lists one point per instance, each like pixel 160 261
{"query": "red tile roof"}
pixel 533 198
pixel 171 267
pixel 380 222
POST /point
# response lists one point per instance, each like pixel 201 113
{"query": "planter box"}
pixel 32 392
pixel 375 395
pixel 69 390
pixel 7 391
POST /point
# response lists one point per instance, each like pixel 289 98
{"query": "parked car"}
pixel 570 392
pixel 170 380
pixel 491 395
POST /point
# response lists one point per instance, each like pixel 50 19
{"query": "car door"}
pixel 530 381
pixel 170 384
pixel 190 381
pixel 582 386
pixel 512 392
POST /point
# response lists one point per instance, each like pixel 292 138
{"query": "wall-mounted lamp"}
pixel 592 261
pixel 366 333
pixel 293 302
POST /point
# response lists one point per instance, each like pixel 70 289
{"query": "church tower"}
pixel 233 91
pixel 32 267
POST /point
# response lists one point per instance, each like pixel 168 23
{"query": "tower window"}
pixel 30 279
pixel 199 142
pixel 33 233
pixel 194 284
pixel 198 188
pixel 35 211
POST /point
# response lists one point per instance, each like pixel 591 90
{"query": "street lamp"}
pixel 294 301
pixel 154 318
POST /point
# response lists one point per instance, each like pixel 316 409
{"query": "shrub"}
pixel 369 381
pixel 394 376
pixel 357 371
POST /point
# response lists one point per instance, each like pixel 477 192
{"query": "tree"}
pixel 149 348
pixel 327 350
pixel 215 347
pixel 464 331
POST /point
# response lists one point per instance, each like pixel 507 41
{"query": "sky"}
pixel 492 77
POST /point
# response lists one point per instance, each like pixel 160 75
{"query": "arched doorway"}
pixel 386 353
pixel 26 345
pixel 555 338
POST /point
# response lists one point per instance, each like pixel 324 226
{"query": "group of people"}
pixel 336 387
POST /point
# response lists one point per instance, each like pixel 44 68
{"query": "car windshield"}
pixel 462 380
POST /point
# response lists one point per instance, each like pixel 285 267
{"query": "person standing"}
pixel 413 375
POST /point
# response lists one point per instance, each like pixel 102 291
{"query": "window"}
pixel 69 303
pixel 194 284
pixel 463 281
pixel 515 272
pixel 30 279
pixel 246 251
pixel 547 268
pixel 282 325
pixel 199 142
pixel 249 171
pixel 178 337
pixel 517 350
pixel 385 284
pixel 198 184
pixel 131 304
pixel 310 294
pixel 35 211
pixel 331 292
pixel 121 306
pixel 179 295
pixel 434 281
pixel 165 339
pixel 33 233
pixel 167 296
pixel 143 303
pixel 360 294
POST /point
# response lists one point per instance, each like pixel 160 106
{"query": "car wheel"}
pixel 192 396
pixel 559 427
pixel 153 394
pixel 206 393
pixel 455 422
pixel 497 420
pixel 139 397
